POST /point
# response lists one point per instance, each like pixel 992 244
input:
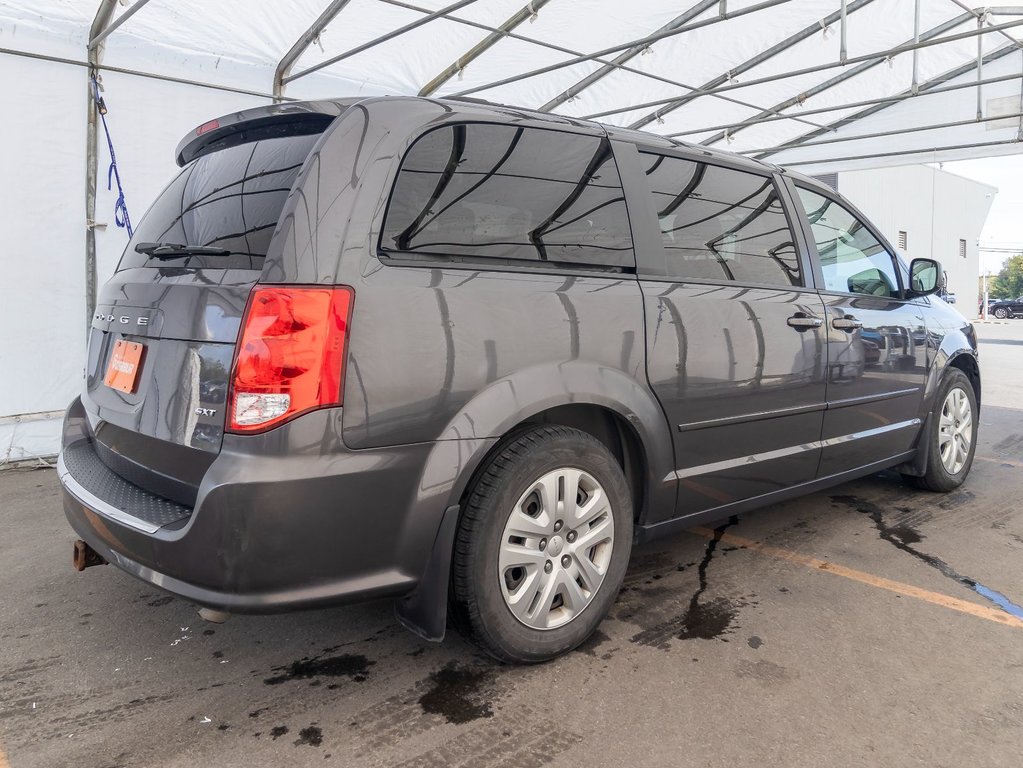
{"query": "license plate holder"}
pixel 124 365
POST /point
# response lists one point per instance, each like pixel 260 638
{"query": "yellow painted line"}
pixel 3 759
pixel 994 460
pixel 935 598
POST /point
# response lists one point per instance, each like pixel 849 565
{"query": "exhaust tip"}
pixel 85 556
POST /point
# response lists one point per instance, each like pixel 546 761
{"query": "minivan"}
pixel 467 355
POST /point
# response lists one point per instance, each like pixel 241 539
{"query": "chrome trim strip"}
pixel 725 421
pixel 96 504
pixel 692 426
pixel 780 453
pixel 869 433
pixel 873 398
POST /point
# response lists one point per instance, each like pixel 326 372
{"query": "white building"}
pixel 925 211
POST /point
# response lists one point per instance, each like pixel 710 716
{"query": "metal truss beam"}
pixel 881 101
pixel 837 79
pixel 287 62
pixel 643 41
pixel 571 52
pixel 907 152
pixel 527 12
pixel 627 55
pixel 811 70
pixel 929 88
pixel 97 37
pixel 442 13
pixel 760 58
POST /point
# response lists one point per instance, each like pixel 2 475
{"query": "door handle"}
pixel 847 323
pixel 804 322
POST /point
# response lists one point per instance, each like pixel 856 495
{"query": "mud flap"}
pixel 917 466
pixel 425 610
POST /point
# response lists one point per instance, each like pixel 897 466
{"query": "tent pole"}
pixel 104 13
pixel 526 12
pixel 99 38
pixel 801 98
pixel 903 152
pixel 644 41
pixel 879 135
pixel 301 45
pixel 630 53
pixel 891 52
pixel 916 39
pixel 876 104
pixel 843 49
pixel 980 68
pixel 377 41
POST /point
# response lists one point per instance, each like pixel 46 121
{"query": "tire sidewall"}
pixel 578 451
pixel 954 379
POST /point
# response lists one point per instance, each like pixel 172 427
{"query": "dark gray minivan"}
pixel 466 355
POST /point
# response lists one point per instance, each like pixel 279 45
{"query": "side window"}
pixel 720 224
pixel 479 191
pixel 852 259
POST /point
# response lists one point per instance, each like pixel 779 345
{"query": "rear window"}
pixel 503 193
pixel 229 199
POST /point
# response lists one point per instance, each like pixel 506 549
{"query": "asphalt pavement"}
pixel 867 625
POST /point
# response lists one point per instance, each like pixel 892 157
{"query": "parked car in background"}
pixel 466 355
pixel 1004 308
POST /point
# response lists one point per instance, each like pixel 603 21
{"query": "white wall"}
pixel 42 217
pixel 936 210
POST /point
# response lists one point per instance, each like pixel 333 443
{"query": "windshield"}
pixel 228 200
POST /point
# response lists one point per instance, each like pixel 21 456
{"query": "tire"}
pixel 508 497
pixel 941 474
pixel 1001 313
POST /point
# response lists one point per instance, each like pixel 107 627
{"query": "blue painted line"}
pixel 999 599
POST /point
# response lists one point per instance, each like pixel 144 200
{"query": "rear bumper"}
pixel 285 520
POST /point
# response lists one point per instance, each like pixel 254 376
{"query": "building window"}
pixel 902 240
pixel 962 248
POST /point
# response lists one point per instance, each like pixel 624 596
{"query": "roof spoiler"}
pixel 272 121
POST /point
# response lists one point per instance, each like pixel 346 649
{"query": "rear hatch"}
pixel 165 327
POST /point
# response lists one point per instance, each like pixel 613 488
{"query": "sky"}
pixel 1004 226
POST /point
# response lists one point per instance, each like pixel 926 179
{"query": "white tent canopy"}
pixel 792 81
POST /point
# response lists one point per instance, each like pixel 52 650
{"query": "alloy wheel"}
pixel 955 431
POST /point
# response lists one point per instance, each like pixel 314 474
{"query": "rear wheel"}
pixel 951 433
pixel 1001 313
pixel 542 545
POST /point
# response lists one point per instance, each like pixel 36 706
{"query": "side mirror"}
pixel 924 277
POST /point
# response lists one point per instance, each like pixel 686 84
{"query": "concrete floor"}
pixel 839 629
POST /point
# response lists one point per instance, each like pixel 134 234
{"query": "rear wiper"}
pixel 171 250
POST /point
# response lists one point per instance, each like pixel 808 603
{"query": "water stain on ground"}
pixel 702 619
pixel 277 731
pixel 754 642
pixel 459 695
pixel 350 665
pixel 903 536
pixel 311 736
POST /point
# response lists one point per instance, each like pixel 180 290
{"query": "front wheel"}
pixel 1001 313
pixel 542 546
pixel 951 432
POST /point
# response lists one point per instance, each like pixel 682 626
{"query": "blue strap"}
pixel 121 217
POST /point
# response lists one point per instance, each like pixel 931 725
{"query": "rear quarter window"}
pixel 720 224
pixel 229 199
pixel 508 194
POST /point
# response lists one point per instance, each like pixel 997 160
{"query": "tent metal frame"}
pixel 720 87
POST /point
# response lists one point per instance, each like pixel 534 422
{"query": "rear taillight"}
pixel 290 357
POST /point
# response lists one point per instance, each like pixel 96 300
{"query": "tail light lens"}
pixel 290 355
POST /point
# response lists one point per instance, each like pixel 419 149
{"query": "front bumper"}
pixel 285 520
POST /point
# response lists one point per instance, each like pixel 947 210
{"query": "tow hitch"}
pixel 86 557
